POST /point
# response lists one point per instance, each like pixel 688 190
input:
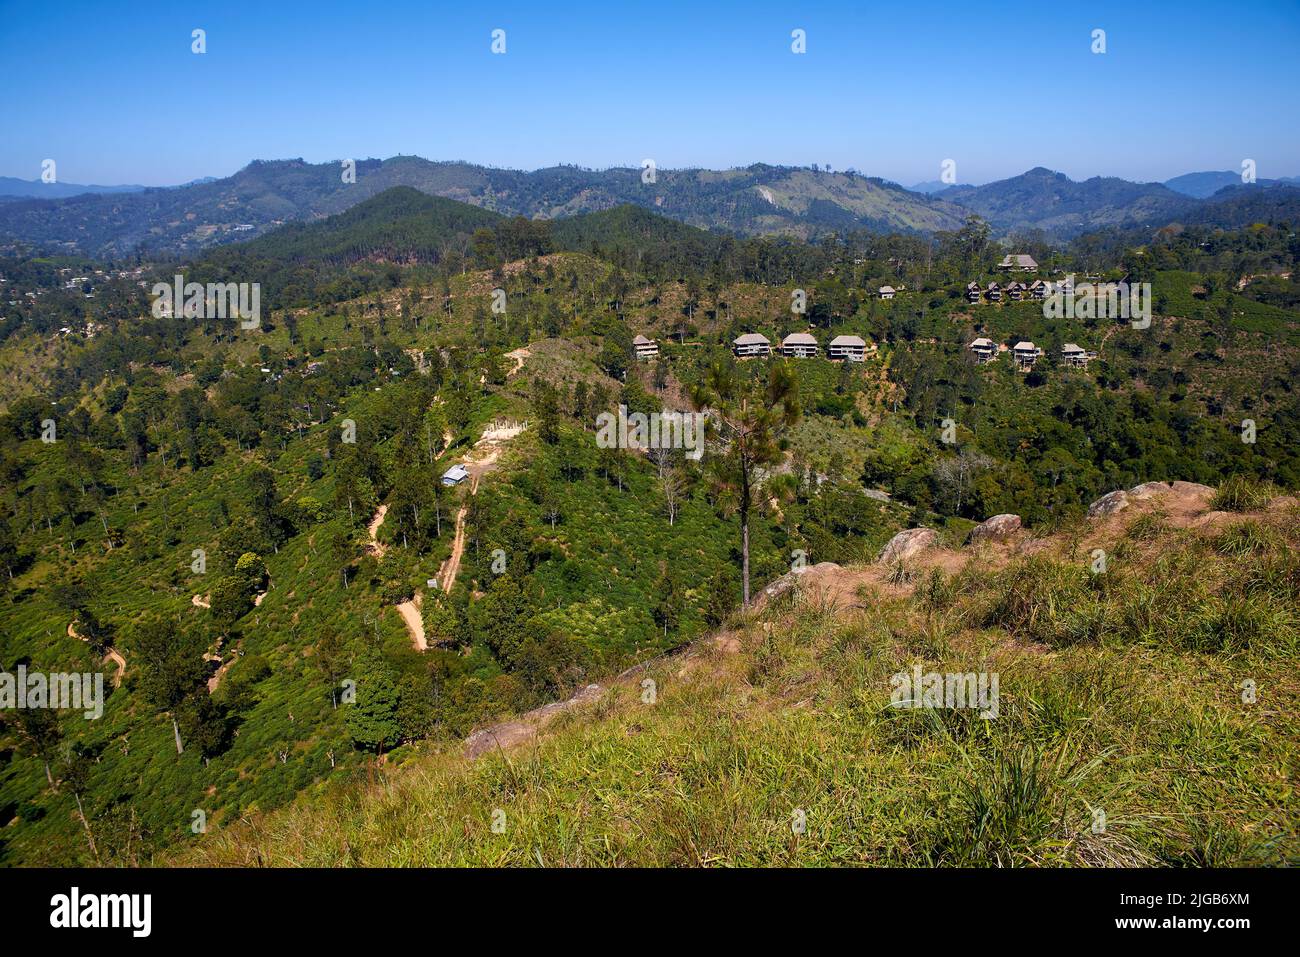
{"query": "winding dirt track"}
pixel 414 621
pixel 110 654
pixel 409 610
pixel 372 530
pixel 447 572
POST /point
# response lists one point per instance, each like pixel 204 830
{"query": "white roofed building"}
pixel 1073 354
pixel 848 348
pixel 1025 353
pixel 645 348
pixel 455 475
pixel 983 349
pixel 751 344
pixel 799 345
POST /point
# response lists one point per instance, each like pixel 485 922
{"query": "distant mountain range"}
pixel 13 188
pixel 756 200
pixel 930 187
pixel 1203 185
pixel 1056 204
pixel 1197 185
pixel 403 225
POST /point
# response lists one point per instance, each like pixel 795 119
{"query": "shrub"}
pixel 251 571
pixel 311 511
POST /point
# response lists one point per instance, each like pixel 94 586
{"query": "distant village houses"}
pixel 887 292
pixel 984 350
pixel 1065 287
pixel 1075 355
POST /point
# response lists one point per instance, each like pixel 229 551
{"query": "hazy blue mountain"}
pixel 1060 207
pixel 11 186
pixel 930 187
pixel 1204 185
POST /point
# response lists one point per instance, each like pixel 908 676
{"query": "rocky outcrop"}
pixel 1147 490
pixel 1153 489
pixel 995 529
pixel 908 544
pixel 1109 504
pixel 513 732
pixel 1186 494
pixel 791 578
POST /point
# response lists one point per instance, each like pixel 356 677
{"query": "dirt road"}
pixel 110 654
pixel 414 620
pixel 377 547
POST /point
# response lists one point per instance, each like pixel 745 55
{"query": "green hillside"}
pixel 1146 718
pixel 302 462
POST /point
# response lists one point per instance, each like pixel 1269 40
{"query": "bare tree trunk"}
pixel 86 824
pixel 176 730
pixel 744 556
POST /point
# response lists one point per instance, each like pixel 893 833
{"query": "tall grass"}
pixel 1240 493
pixel 1124 742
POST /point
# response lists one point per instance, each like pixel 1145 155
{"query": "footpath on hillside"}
pixel 481 459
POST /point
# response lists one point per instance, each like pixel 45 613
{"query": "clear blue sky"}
pixel 114 95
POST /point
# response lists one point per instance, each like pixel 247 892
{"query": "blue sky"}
pixel 114 95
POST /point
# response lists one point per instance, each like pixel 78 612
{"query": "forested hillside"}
pixel 757 200
pixel 246 530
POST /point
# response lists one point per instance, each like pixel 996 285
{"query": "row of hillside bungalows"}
pixel 802 345
pixel 1015 290
pixel 1026 353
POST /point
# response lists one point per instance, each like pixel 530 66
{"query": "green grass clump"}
pixel 1240 493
